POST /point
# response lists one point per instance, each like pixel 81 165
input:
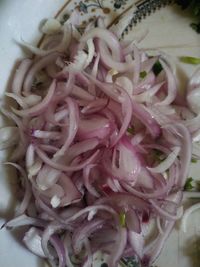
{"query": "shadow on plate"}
pixel 192 251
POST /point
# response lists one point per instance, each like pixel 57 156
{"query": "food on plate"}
pixel 102 142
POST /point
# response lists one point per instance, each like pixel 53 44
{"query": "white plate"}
pixel 168 30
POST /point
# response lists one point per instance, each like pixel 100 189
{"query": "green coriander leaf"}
pixel 130 130
pixel 143 74
pixel 64 19
pixel 188 185
pixel 129 262
pixel 193 160
pixel 190 60
pixel 196 27
pixel 122 219
pixel 193 6
pixel 157 68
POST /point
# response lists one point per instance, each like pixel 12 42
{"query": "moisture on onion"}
pixel 103 146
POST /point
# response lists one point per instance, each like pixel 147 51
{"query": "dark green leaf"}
pixel 157 68
pixel 193 6
pixel 188 185
pixel 129 262
pixel 196 27
pixel 130 130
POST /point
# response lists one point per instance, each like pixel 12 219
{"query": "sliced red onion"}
pixel 109 62
pixel 9 136
pixel 73 126
pixel 62 167
pixel 20 75
pixel 32 240
pixel 144 116
pixel 23 220
pixel 27 194
pixel 118 247
pixel 165 165
pixel 108 37
pixel 87 183
pixel 137 243
pixel 153 251
pixel 47 177
pixel 163 213
pixel 39 108
pixel 133 221
pixel 71 193
pixel 84 232
pixel 36 67
pixel 88 138
pixel 80 148
pixel 60 250
pixel 186 150
pixel 98 127
pixel 25 102
pixel 171 85
pixel 67 245
pixel 48 236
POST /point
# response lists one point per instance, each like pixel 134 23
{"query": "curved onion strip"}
pixel 165 165
pixel 171 85
pixel 73 126
pixel 39 108
pixel 61 47
pixel 84 232
pixel 62 167
pixel 20 75
pixel 23 220
pixel 36 67
pixel 27 195
pixel 118 247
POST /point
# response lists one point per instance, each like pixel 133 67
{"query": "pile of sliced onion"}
pixel 102 148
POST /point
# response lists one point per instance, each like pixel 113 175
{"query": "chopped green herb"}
pixel 157 68
pixel 143 74
pixel 158 155
pixel 36 84
pixel 188 185
pixel 190 60
pixel 130 130
pixel 192 184
pixel 64 18
pixel 196 27
pixel 122 219
pixel 129 262
pixel 194 7
pixel 193 160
